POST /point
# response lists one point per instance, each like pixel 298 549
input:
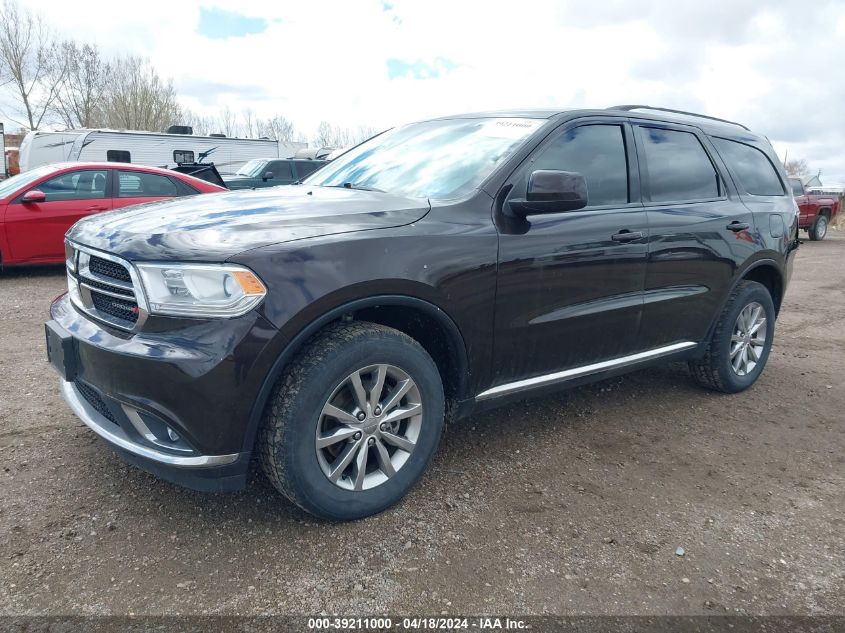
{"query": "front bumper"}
pixel 177 403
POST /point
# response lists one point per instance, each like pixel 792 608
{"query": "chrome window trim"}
pixel 585 370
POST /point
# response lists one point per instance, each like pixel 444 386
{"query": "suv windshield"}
pixel 252 169
pixel 433 159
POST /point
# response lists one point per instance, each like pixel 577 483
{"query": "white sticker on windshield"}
pixel 510 128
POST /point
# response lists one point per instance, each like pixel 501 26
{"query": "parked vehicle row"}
pixel 38 206
pixel 436 270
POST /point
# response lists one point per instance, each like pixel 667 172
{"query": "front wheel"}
pixel 819 228
pixel 741 341
pixel 353 422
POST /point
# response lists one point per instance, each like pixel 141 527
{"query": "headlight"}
pixel 201 290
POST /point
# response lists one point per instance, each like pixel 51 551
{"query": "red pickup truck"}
pixel 816 211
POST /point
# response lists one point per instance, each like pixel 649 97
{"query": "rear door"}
pixel 569 290
pixel 135 187
pixel 36 231
pixel 700 232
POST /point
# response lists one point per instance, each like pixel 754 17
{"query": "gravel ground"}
pixel 572 504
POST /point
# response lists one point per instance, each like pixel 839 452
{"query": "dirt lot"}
pixel 573 504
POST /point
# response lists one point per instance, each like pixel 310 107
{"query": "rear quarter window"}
pixel 751 167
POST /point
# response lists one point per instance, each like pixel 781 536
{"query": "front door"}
pixel 570 284
pixel 36 230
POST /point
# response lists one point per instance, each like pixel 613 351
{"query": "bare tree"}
pixel 31 61
pixel 329 135
pixel 249 127
pixel 278 128
pixel 796 167
pixel 138 98
pixel 79 100
pixel 227 122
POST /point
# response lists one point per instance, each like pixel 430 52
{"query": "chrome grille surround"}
pixel 92 291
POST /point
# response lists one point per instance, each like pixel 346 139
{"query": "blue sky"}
pixel 218 24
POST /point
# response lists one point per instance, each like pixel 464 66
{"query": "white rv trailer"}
pixel 46 147
pixel 148 148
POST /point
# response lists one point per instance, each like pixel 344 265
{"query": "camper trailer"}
pixel 42 148
pixel 147 148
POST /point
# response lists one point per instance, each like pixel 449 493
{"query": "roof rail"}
pixel 684 112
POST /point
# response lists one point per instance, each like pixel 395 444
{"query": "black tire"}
pixel 818 230
pixel 714 370
pixel 287 448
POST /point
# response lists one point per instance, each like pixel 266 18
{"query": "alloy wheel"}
pixel 748 340
pixel 369 427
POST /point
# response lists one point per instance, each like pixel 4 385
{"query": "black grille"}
pixel 94 399
pixel 123 309
pixel 106 268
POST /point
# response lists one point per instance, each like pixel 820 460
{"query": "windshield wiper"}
pixel 352 185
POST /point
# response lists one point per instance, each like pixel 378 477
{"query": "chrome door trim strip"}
pixel 585 370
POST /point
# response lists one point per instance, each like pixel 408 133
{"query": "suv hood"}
pixel 213 227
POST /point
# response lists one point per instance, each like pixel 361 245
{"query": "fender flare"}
pixel 739 277
pixel 296 343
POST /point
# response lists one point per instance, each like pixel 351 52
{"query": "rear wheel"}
pixel 353 422
pixel 819 228
pixel 739 347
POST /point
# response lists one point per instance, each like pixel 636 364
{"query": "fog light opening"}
pixel 173 435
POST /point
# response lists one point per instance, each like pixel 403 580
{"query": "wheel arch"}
pixel 422 320
pixel 767 273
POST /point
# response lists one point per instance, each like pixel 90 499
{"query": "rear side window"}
pixel 305 167
pixel 183 188
pixel 139 184
pixel 183 156
pixel 677 167
pixel 118 156
pixel 281 169
pixel 752 168
pixel 597 152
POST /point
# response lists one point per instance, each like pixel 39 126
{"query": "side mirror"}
pixel 34 195
pixel 552 191
pixel 268 175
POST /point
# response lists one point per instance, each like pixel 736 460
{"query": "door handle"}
pixel 736 227
pixel 97 208
pixel 627 236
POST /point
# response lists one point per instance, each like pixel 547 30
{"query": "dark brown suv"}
pixel 438 269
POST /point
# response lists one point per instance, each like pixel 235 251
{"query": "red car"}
pixel 37 207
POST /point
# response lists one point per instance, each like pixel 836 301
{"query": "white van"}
pixel 147 148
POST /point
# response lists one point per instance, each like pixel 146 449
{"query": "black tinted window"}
pixel 281 169
pixel 139 184
pixel 677 166
pixel 752 168
pixel 597 152
pixel 76 185
pixel 118 156
pixel 305 167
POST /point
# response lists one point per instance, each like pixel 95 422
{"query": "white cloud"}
pixel 775 66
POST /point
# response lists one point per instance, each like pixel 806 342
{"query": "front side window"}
pixel 139 184
pixel 678 168
pixel 118 156
pixel 797 187
pixel 75 185
pixel 597 152
pixel 306 167
pixel 752 168
pixel 442 159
